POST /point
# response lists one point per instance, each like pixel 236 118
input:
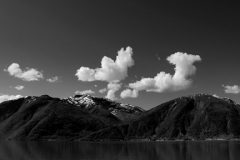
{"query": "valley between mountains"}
pixel 89 118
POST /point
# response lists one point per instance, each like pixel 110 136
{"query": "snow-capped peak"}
pixel 80 100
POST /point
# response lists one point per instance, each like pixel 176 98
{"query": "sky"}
pixel 133 51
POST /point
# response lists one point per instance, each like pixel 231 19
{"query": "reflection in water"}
pixel 189 150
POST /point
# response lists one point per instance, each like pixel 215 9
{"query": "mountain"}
pixel 47 118
pixel 200 116
pixel 89 118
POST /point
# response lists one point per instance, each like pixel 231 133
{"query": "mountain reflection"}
pixel 190 150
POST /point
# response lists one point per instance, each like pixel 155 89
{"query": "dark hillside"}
pixel 194 117
pixel 46 118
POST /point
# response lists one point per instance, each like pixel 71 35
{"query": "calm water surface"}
pixel 189 150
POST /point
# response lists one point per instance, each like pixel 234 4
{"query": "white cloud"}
pixel 19 87
pixel 127 93
pixel 85 74
pixel 53 79
pixel 235 89
pixel 112 88
pixel 30 74
pixel 110 71
pixel 85 92
pixel 95 85
pixel 103 90
pixel 166 82
pixel 9 97
pixel 215 95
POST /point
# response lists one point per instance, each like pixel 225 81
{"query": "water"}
pixel 189 150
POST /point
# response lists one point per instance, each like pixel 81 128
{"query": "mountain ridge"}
pixel 89 118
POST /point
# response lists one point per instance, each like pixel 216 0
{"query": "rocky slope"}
pixel 85 117
pixel 110 111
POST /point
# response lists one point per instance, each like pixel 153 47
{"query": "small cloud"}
pixel 9 97
pixel 85 92
pixel 110 71
pixel 103 90
pixel 158 57
pixel 53 79
pixel 112 88
pixel 30 74
pixel 19 87
pixel 95 85
pixel 235 89
pixel 166 82
pixel 214 95
pixel 127 93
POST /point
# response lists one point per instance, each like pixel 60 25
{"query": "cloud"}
pixel 235 89
pixel 19 87
pixel 86 74
pixel 166 82
pixel 95 85
pixel 103 90
pixel 158 57
pixel 112 88
pixel 127 93
pixel 214 95
pixel 85 92
pixel 53 79
pixel 30 74
pixel 110 71
pixel 9 97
